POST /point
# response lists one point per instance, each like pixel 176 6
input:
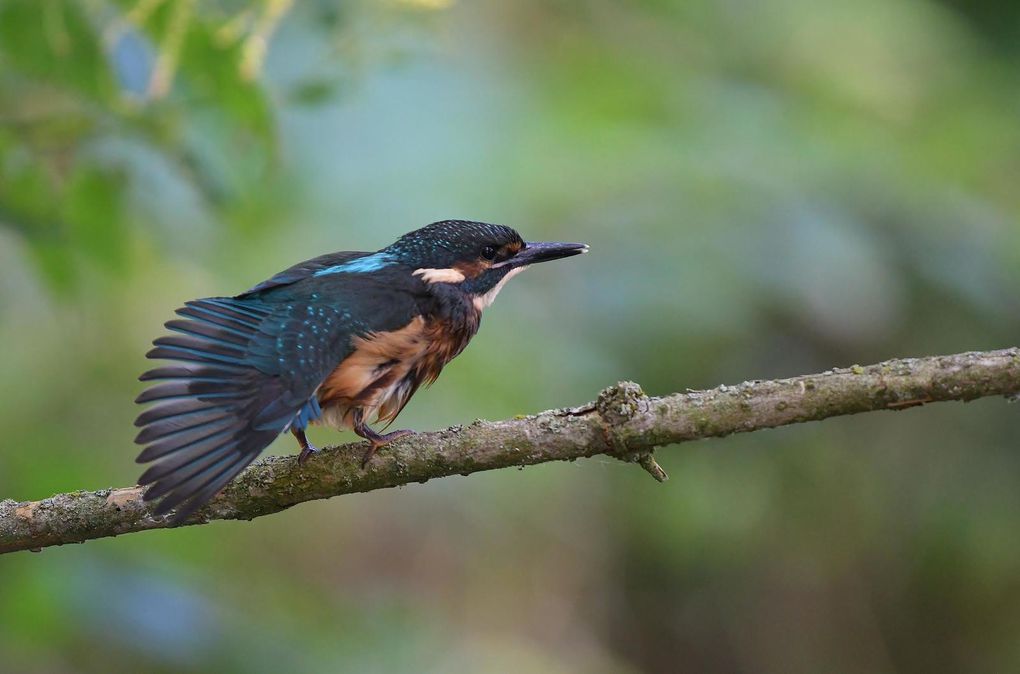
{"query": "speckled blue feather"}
pixel 362 265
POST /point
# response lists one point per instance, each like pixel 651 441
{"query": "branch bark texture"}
pixel 623 422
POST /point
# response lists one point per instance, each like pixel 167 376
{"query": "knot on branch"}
pixel 618 404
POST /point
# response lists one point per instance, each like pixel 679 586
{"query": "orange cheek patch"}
pixel 472 269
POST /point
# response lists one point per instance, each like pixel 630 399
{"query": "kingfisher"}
pixel 343 339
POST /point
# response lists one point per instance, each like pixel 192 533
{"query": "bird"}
pixel 343 339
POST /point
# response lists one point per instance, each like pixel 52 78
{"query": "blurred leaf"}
pixel 94 212
pixel 212 78
pixel 54 42
pixel 312 92
pixel 57 184
pixel 69 221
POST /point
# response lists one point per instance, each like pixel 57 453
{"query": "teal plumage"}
pixel 338 337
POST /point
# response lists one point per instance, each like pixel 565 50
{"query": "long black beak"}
pixel 534 253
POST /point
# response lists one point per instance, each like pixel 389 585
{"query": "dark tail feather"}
pixel 202 431
pixel 196 491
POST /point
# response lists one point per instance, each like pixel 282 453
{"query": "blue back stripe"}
pixel 369 263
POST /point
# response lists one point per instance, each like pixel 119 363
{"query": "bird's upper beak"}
pixel 545 251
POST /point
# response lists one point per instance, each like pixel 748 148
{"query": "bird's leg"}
pixel 376 440
pixel 307 448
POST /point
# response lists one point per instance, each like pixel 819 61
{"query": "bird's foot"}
pixel 378 441
pixel 306 453
pixel 307 448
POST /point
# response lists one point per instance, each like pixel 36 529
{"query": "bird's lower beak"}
pixel 545 251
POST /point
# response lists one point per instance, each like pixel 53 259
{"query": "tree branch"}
pixel 623 423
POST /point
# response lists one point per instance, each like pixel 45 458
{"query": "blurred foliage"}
pixel 768 188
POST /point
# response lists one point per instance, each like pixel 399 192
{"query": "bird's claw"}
pixel 379 441
pixel 369 453
pixel 306 453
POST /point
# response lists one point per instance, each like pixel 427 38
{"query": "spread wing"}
pixel 243 371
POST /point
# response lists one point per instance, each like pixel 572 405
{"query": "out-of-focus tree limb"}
pixel 623 422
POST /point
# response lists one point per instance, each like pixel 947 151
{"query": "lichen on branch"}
pixel 623 422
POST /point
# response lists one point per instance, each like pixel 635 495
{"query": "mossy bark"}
pixel 623 422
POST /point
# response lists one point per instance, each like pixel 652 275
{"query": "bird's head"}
pixel 476 257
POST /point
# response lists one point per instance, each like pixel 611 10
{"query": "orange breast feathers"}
pixel 384 371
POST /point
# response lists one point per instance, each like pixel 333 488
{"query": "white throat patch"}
pixel 484 301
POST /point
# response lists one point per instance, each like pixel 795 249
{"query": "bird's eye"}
pixel 489 252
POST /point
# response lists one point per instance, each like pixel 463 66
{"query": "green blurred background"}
pixel 768 188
